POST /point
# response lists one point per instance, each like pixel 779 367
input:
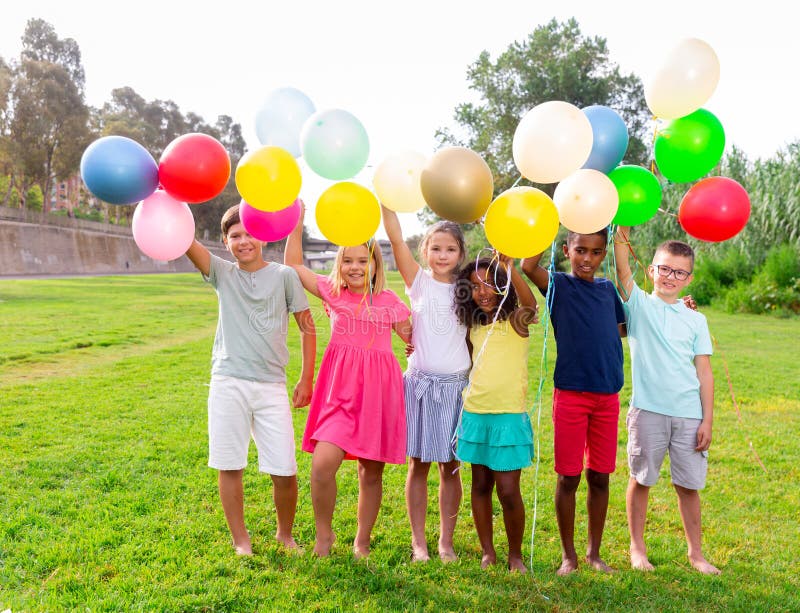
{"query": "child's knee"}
pixel 568 483
pixel 596 480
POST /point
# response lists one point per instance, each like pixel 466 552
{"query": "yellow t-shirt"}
pixel 498 381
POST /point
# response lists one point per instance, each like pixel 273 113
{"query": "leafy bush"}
pixel 782 266
pixel 762 295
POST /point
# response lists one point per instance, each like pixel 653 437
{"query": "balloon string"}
pixel 519 178
pixel 666 212
pixel 548 302
pixel 653 147
pixel 736 404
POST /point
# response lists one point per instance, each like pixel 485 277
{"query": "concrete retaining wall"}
pixel 35 244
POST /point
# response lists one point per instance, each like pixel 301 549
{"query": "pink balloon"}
pixel 269 226
pixel 163 227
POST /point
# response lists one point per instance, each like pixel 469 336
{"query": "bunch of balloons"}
pixel 193 168
pixel 692 143
pixel 333 143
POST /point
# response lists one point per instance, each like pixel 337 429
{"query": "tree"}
pixel 555 62
pixel 48 124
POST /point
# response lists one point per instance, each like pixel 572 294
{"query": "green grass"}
pixel 106 502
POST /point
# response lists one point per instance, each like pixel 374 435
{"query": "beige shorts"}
pixel 239 409
pixel 652 435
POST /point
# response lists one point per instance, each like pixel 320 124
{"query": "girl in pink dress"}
pixel 357 407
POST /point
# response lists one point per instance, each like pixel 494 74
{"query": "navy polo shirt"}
pixel 585 316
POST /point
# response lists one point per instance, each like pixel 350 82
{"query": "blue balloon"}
pixel 281 117
pixel 119 170
pixel 610 138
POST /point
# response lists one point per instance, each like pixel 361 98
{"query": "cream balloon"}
pixel 396 181
pixel 684 81
pixel 586 200
pixel 551 141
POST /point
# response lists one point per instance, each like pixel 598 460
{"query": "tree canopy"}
pixel 555 62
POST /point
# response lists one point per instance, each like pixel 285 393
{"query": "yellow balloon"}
pixel 521 222
pixel 457 184
pixel 348 214
pixel 397 181
pixel 268 178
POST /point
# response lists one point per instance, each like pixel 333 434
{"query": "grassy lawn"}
pixel 106 502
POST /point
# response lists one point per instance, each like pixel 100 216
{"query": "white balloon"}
pixel 684 81
pixel 587 201
pixel 551 141
pixel 397 181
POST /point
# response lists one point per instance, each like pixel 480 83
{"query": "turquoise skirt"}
pixel 500 441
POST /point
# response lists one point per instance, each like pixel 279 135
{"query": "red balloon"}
pixel 714 209
pixel 194 168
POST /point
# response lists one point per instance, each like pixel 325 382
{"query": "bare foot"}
pixel 488 559
pixel 704 566
pixel 243 550
pixel 567 567
pixel 419 554
pixel 323 545
pixel 639 561
pixel 360 552
pixel 600 565
pixel 288 542
pixel 447 554
pixel 516 565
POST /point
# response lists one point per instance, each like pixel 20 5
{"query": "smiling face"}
pixel 668 287
pixel 245 248
pixel 356 267
pixel 483 291
pixel 443 255
pixel 585 253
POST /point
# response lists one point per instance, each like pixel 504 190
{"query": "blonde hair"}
pixel 378 276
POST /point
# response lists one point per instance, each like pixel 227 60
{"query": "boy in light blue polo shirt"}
pixel 672 403
pixel 247 396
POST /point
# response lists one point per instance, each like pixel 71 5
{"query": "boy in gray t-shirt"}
pixel 247 395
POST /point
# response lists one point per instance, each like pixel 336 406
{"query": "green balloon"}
pixel 689 147
pixel 639 194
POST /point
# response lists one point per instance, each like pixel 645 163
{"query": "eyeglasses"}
pixel 666 271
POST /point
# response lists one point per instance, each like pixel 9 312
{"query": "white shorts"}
pixel 238 408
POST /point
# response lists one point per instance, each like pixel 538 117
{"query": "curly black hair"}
pixel 467 310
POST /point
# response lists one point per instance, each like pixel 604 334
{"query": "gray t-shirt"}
pixel 253 320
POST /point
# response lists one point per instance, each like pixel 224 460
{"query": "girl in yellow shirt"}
pixel 495 433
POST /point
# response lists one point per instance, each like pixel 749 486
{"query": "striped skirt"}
pixel 433 406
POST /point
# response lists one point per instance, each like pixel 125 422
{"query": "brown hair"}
pixel 229 219
pixel 378 280
pixel 448 227
pixel 678 248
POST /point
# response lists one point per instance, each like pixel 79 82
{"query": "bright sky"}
pixel 400 67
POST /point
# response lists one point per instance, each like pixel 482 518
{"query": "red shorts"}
pixel 585 424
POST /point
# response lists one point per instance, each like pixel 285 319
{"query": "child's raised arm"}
pixel 200 257
pixel 293 256
pixel 528 311
pixel 405 261
pixel 537 274
pixel 622 252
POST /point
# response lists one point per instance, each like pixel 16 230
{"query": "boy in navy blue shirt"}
pixel 588 320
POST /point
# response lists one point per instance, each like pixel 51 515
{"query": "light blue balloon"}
pixel 610 138
pixel 281 117
pixel 118 170
pixel 335 144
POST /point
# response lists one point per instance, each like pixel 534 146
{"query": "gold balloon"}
pixel 457 184
pixel 521 222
